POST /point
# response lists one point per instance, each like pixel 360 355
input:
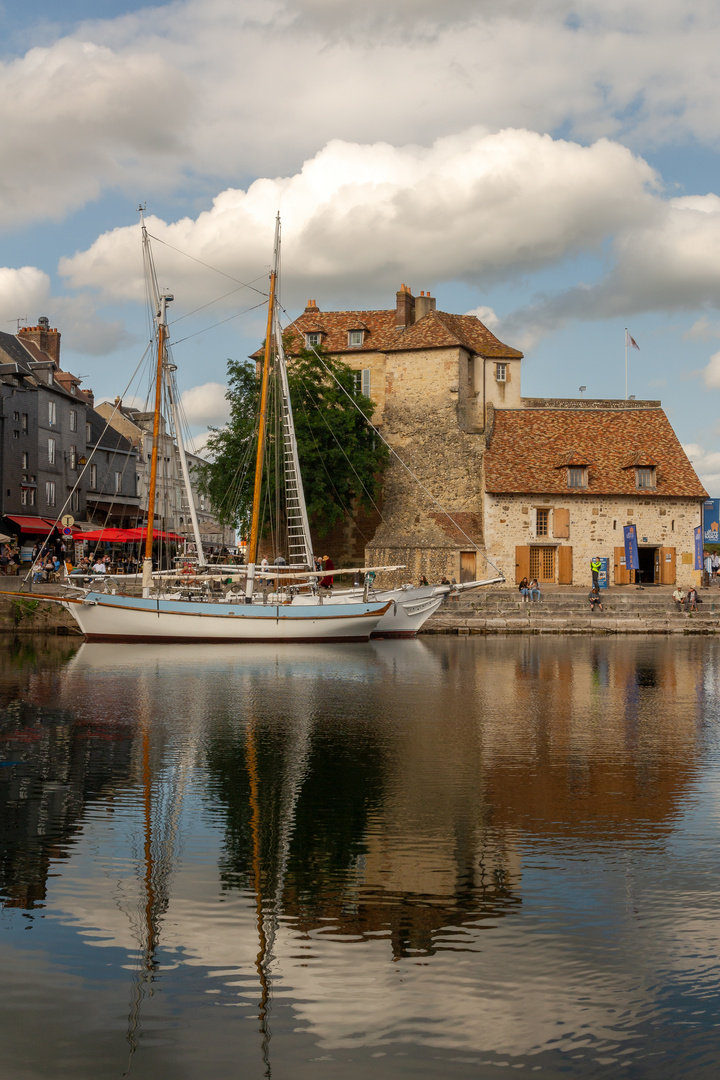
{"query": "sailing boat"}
pixel 113 616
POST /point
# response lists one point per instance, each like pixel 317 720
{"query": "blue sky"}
pixel 551 167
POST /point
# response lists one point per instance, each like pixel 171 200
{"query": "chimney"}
pixel 89 397
pixel 405 310
pixel 312 306
pixel 47 340
pixel 423 304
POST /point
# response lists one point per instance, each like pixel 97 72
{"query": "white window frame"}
pixel 52 414
pixel 501 372
pixel 93 476
pixel 25 460
pixel 88 432
pixel 643 472
pixel 118 482
pixel 50 493
pixel 52 451
pixel 312 339
pixel 355 339
pixel 73 419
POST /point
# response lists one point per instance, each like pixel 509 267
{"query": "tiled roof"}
pixel 526 445
pixel 436 330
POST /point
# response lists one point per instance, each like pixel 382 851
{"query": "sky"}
pixel 552 168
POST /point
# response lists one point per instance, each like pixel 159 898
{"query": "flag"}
pixel 629 340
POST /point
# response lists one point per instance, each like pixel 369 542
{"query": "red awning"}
pixel 36 525
pixel 124 536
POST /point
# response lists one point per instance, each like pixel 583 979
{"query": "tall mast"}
pixel 165 299
pixel 172 395
pixel 254 539
pixel 300 553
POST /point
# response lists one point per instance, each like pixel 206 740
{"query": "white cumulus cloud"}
pixel 206 404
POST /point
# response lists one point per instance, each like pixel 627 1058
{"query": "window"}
pixel 361 382
pixel 73 419
pixel 27 496
pixel 75 501
pixel 16 433
pixel 16 417
pixel 118 482
pixel 73 457
pixel 355 339
pixel 577 476
pixel 88 433
pixel 52 413
pixel 137 483
pixel 25 422
pixel 93 476
pixel 25 460
pixel 645 476
pixel 542 524
pixel 50 492
pixel 312 339
pixel 51 451
pixel 501 372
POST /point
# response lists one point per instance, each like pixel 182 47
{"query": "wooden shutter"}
pixel 622 574
pixel 565 565
pixel 561 524
pixel 468 565
pixel 667 566
pixel 522 563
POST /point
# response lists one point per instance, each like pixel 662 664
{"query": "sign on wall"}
pixel 711 521
pixel 632 560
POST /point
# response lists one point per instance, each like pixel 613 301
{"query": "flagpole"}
pixel 626 381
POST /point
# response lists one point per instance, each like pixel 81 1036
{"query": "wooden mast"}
pixel 253 542
pixel 162 330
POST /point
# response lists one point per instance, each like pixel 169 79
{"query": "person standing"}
pixel 595 567
pixel 326 582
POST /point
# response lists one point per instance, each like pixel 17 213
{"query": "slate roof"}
pixel 529 449
pixel 14 352
pixel 108 440
pixel 436 330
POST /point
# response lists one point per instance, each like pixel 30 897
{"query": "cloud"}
pixel 24 292
pixel 206 404
pixel 486 315
pixel 707 465
pixel 476 205
pixel 711 374
pixel 702 330
pixel 147 105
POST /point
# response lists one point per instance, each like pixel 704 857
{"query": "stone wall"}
pixel 596 528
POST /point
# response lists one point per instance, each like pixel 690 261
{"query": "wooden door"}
pixel 667 566
pixel 565 565
pixel 522 563
pixel 542 563
pixel 468 566
pixel 622 574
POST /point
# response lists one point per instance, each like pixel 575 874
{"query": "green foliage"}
pixel 23 610
pixel 341 458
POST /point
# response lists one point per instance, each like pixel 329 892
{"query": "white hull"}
pixel 106 617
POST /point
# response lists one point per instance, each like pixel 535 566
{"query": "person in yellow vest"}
pixel 595 566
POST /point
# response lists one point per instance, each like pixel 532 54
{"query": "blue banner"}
pixel 603 575
pixel 699 548
pixel 711 521
pixel 632 561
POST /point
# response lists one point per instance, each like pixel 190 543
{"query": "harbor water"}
pixel 441 858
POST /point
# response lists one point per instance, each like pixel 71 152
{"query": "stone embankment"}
pixel 565 610
pixel 22 612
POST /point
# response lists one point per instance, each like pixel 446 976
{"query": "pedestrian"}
pixel 594 598
pixel 524 589
pixel 326 582
pixel 595 567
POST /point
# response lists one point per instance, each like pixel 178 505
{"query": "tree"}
pixel 341 457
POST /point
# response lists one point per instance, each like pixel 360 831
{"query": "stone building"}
pixel 171 505
pixel 113 497
pixel 484 471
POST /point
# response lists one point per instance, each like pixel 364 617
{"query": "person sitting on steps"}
pixel 679 598
pixel 524 588
pixel 534 589
pixel 594 598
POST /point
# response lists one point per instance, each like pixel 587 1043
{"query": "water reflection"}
pixel 476 846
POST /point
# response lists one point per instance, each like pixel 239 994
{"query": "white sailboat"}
pixel 111 615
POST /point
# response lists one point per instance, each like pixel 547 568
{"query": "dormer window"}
pixel 312 339
pixel 355 338
pixel 501 372
pixel 645 477
pixel 577 476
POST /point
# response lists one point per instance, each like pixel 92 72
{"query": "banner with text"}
pixel 631 549
pixel 711 521
pixel 699 548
